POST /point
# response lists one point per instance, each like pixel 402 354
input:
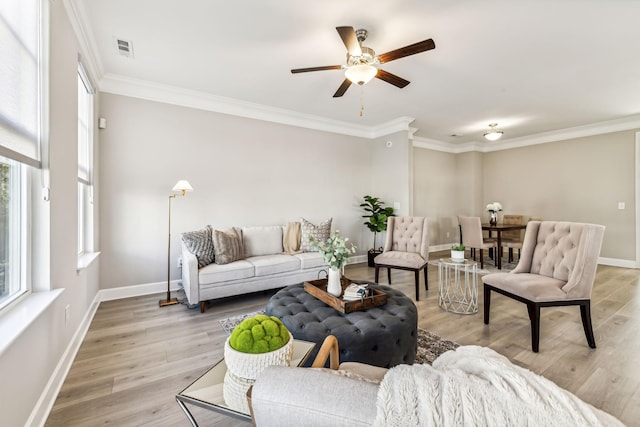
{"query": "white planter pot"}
pixel 244 368
pixel 457 256
pixel 248 365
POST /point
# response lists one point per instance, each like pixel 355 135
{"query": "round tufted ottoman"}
pixel 383 336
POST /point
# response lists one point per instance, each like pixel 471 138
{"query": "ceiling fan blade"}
pixel 306 70
pixel 348 36
pixel 343 88
pixel 392 78
pixel 412 49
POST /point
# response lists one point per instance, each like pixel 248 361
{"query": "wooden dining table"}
pixel 499 228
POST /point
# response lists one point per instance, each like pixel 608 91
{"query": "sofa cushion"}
pixel 214 273
pixel 273 264
pixel 319 232
pixel 228 245
pixel 262 240
pixel 310 260
pixel 200 244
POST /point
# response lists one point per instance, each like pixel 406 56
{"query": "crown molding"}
pixel 609 126
pixel 447 147
pixel 121 85
pixel 88 47
pixel 401 124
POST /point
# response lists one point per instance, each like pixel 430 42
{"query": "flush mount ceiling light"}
pixel 493 134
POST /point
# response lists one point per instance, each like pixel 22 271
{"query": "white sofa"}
pixel 265 266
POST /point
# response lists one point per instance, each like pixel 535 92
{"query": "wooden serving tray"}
pixel 318 288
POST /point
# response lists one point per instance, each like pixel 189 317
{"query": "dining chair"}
pixel 472 237
pixel 512 239
pixel 557 268
pixel 406 248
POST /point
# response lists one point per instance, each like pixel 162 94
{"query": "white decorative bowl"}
pixel 249 365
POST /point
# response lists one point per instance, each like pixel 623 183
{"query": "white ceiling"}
pixel 531 66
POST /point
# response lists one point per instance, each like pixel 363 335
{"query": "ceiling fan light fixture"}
pixel 361 74
pixel 493 134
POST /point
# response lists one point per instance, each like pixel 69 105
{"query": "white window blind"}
pixel 85 126
pixel 19 81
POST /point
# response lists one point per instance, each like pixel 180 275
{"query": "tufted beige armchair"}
pixel 557 268
pixel 406 248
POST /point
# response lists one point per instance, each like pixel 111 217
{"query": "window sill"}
pixel 22 314
pixel 86 259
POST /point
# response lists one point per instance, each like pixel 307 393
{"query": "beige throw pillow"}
pixel 319 232
pixel 228 245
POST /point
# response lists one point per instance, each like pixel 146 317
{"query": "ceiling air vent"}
pixel 125 47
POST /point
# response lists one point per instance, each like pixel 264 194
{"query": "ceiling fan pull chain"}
pixel 361 100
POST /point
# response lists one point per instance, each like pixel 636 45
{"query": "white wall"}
pixel 244 172
pixel 29 362
pixel 580 180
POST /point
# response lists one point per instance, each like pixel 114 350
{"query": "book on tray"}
pixel 355 291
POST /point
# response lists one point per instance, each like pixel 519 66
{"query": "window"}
pixel 20 124
pixel 11 231
pixel 85 161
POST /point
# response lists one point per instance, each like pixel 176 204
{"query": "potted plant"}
pixel 335 253
pixel 376 214
pixel 457 253
pixel 257 342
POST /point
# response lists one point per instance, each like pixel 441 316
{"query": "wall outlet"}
pixel 448 234
pixel 621 205
pixel 179 263
pixel 67 314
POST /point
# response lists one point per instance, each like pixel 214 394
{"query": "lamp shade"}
pixel 361 74
pixel 182 185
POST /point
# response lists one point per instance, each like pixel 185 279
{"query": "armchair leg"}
pixel 510 254
pixel 417 279
pixel 389 275
pixel 426 279
pixel 481 259
pixel 534 316
pixel 487 303
pixel 377 274
pixel 585 313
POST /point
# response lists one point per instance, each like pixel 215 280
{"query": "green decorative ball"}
pixel 259 334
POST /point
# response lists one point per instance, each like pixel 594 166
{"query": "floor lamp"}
pixel 180 189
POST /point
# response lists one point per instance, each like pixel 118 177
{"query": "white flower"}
pixel 494 207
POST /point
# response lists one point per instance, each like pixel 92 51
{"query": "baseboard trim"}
pixel 47 399
pixel 137 290
pixel 614 262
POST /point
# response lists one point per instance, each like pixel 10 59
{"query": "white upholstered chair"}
pixel 557 268
pixel 406 248
pixel 472 238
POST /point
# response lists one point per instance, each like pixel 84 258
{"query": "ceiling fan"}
pixel 361 60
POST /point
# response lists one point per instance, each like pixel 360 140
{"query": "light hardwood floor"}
pixel 137 356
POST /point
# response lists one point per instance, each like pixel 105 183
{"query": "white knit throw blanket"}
pixel 475 386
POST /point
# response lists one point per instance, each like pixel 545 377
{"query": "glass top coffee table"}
pixel 206 391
